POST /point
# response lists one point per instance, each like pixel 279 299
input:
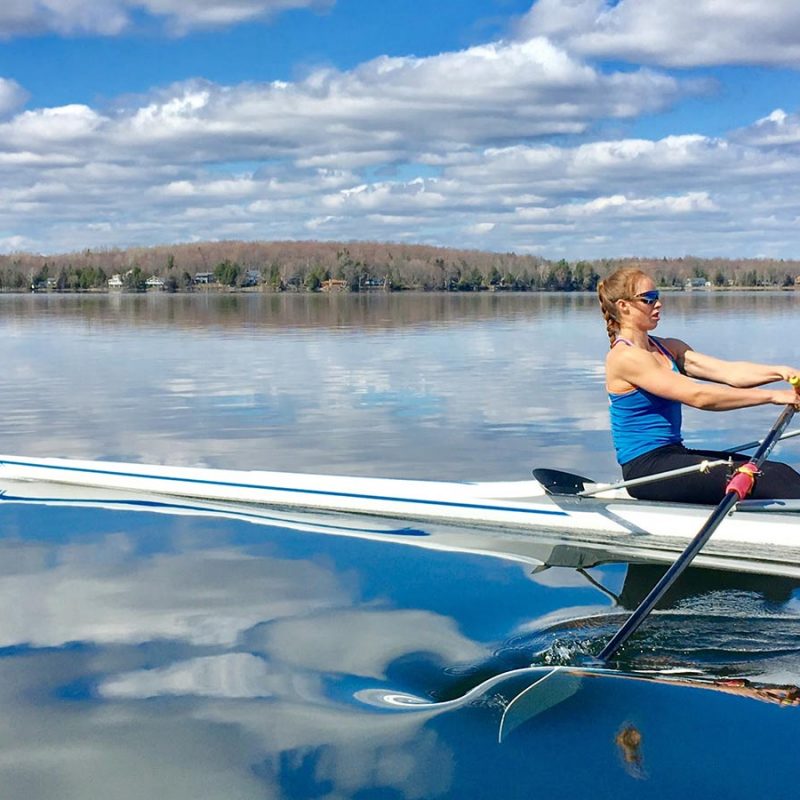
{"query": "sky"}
pixel 561 128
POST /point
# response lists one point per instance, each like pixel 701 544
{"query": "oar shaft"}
pixel 703 466
pixel 635 620
pixel 704 534
pixel 772 438
pixel 757 442
pixel 674 473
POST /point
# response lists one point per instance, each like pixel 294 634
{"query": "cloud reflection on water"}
pixel 96 631
pixel 480 387
pixel 182 382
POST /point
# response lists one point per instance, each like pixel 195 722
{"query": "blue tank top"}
pixel 641 421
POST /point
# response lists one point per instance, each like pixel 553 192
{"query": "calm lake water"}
pixel 148 652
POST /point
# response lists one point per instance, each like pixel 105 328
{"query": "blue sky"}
pixel 566 128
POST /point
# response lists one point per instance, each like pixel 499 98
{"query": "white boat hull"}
pixel 768 533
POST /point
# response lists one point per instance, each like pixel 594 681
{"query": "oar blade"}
pixel 551 689
pixel 554 481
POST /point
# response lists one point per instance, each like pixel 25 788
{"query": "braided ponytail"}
pixel 619 285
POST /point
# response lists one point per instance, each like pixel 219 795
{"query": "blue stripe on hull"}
pixel 314 492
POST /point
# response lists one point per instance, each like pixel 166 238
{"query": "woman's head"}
pixel 623 284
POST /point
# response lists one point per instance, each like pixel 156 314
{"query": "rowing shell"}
pixel 768 535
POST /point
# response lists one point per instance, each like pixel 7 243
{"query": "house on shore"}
pixel 333 285
pixel 697 283
pixel 252 277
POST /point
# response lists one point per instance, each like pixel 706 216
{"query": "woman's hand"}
pixel 787 373
pixel 785 397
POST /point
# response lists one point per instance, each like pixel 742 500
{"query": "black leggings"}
pixel 775 481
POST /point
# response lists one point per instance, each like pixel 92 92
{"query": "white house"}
pixel 697 283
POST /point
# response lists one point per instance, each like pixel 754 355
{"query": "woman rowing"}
pixel 649 379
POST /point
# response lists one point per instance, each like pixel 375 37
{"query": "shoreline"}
pixel 258 290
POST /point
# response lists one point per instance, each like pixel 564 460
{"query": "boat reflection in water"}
pixel 197 650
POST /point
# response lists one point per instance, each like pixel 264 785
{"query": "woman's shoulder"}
pixel 675 346
pixel 676 349
pixel 622 353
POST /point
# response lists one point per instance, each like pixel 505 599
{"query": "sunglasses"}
pixel 651 297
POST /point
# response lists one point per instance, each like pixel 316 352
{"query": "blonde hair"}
pixel 619 285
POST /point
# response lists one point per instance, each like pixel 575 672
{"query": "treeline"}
pixel 358 266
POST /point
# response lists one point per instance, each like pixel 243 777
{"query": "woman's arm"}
pixel 638 368
pixel 742 374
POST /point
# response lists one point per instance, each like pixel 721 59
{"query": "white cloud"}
pixel 672 32
pixel 65 125
pixel 600 198
pixel 112 17
pixel 620 205
pixel 481 227
pixel 31 17
pixel 383 110
pixel 671 164
pixel 189 14
pixel 12 95
pixel 15 244
pixel 167 167
pixel 446 150
pixel 775 130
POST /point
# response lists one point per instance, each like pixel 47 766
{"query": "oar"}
pixel 559 684
pixel 739 486
pixel 558 482
pixel 757 442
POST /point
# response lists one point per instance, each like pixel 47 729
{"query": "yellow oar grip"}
pixel 795 381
